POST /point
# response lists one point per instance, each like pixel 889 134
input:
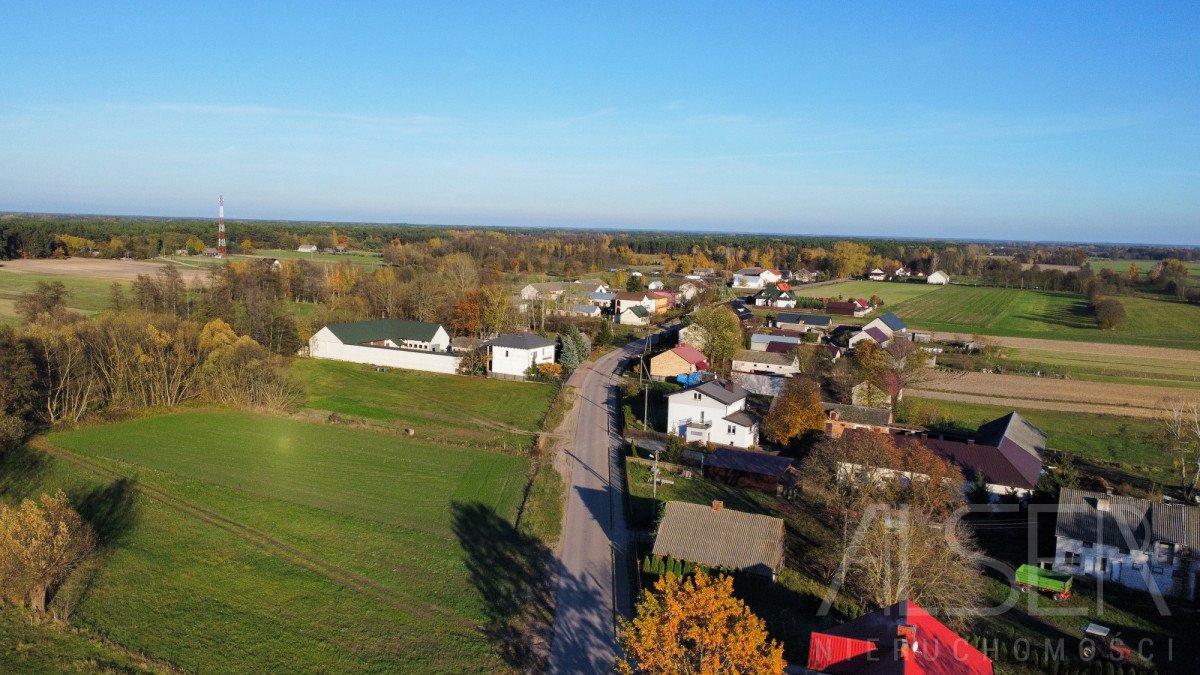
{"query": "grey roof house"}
pixel 714 536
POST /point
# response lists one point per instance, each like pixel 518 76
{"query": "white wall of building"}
pixel 684 407
pixel 514 361
pixel 1131 567
pixel 433 362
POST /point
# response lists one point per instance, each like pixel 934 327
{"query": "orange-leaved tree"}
pixel 694 625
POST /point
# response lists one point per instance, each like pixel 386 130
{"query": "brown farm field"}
pixel 95 268
pixel 1132 400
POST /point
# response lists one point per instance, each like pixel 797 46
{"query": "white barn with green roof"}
pixel 395 343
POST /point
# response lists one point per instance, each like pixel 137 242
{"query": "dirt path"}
pixel 1048 393
pixel 1075 347
pixel 97 268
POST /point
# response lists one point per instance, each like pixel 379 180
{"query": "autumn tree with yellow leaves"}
pixel 41 543
pixel 695 626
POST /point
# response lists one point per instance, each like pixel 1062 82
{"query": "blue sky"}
pixel 992 120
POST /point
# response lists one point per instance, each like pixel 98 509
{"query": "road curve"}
pixel 592 575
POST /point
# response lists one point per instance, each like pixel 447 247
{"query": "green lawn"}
pixel 892 293
pixel 255 543
pixel 1084 365
pixel 446 408
pixel 88 295
pixel 1015 312
pixel 28 647
pixel 1113 444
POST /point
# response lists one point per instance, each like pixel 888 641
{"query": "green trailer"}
pixel 1057 584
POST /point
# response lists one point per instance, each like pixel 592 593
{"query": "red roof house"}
pixel 902 639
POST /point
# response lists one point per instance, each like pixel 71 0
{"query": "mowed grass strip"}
pixel 891 293
pixel 379 507
pixel 451 408
pixel 1013 312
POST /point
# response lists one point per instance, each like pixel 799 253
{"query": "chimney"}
pixel 718 505
pixel 906 635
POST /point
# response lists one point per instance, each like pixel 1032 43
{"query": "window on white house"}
pixel 732 429
pixel 1072 558
pixel 696 396
pixel 1166 553
pixel 506 353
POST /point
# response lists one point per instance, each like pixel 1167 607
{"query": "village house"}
pixel 688 290
pixel 765 363
pixel 938 277
pixel 512 355
pixel 627 299
pixel 717 537
pixel 586 310
pixel 412 345
pixel 634 315
pixel 680 360
pixel 603 300
pixel 1137 543
pixel 805 276
pixel 846 308
pixel 712 412
pixel 872 334
pixel 755 277
pixel 306 248
pixel 895 640
pixel 804 323
pixel 592 286
pixel 762 342
pixel 841 417
pixel 655 285
pixel 663 300
pixel 901 273
pixel 772 474
pixel 739 309
pixel 876 275
pixel 774 296
pixel 889 323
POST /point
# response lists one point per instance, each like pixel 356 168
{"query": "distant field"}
pixel 1144 266
pixel 1059 316
pixel 256 543
pixel 1085 364
pixel 359 257
pixel 88 295
pixel 892 293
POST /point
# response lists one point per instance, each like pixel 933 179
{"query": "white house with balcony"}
pixel 1133 542
pixel 755 277
pixel 512 355
pixel 712 412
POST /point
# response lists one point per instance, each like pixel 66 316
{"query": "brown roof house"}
pixel 771 474
pixel 713 536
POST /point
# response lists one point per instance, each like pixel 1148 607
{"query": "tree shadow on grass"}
pixel 510 570
pixel 20 472
pixel 111 510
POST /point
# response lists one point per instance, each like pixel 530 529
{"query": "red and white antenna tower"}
pixel 221 227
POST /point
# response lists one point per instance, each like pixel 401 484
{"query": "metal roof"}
pixel 521 341
pixel 716 390
pixel 741 418
pixel 749 461
pixel 1116 519
pixel 1016 430
pixel 772 358
pixel 361 332
pixel 806 319
pixel 892 321
pixel 699 534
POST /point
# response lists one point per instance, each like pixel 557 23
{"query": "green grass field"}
pixel 88 295
pixel 1015 312
pixel 892 293
pixel 29 647
pixel 256 543
pixel 1084 365
pixel 445 408
pixel 1113 443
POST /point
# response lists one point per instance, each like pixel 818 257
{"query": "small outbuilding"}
pixel 714 536
pixel 749 469
pixel 938 277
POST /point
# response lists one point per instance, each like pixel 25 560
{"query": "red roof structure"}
pixel 692 355
pixel 899 640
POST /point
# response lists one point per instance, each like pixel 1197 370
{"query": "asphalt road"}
pixel 593 579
